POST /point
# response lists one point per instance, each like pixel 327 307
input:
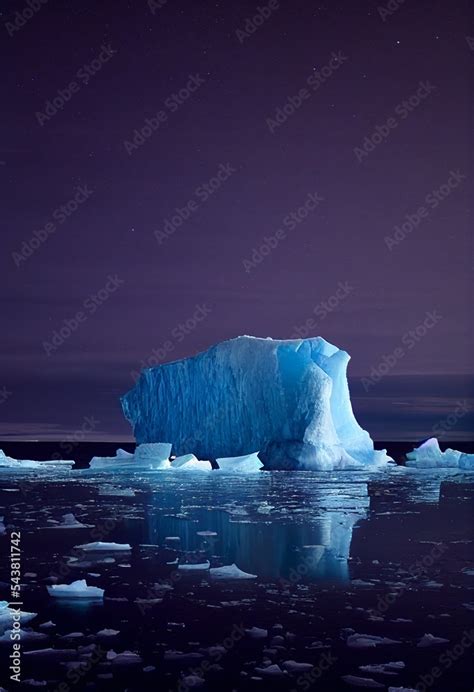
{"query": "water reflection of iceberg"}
pixel 282 545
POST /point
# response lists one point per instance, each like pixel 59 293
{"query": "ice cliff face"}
pixel 288 399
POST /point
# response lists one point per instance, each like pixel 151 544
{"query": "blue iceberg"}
pixel 287 398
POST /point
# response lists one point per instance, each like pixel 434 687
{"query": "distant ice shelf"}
pixel 288 398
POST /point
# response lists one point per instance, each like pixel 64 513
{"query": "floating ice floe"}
pixel 19 464
pixel 154 455
pixel 431 640
pixel 9 615
pixel 22 636
pixel 194 566
pixel 390 668
pixel 368 641
pixel 288 398
pixel 126 658
pixel 69 521
pixel 429 455
pixel 248 463
pixel 146 457
pixel 188 462
pixel 256 633
pixel 77 589
pixel 297 668
pixel 357 681
pixel 100 545
pixel 230 572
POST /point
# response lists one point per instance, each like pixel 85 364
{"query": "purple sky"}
pixel 294 143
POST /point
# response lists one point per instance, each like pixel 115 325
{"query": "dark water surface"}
pixel 388 554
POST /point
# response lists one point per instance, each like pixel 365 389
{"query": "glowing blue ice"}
pixel 288 399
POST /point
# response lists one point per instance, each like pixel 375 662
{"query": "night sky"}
pixel 176 173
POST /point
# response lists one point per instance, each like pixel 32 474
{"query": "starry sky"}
pixel 178 173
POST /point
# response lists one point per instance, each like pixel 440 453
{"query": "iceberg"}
pixel 247 463
pixel 77 589
pixel 20 464
pixel 288 398
pixel 429 455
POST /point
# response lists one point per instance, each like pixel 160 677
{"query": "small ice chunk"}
pixel 361 682
pixel 194 566
pixel 24 636
pixel 77 589
pixel 126 658
pixel 21 464
pixel 230 572
pixel 431 640
pixel 272 671
pixel 155 455
pixel 248 463
pixel 108 632
pixel 3 528
pixel 297 668
pixel 69 521
pixel 256 633
pixel 391 668
pixel 7 613
pixel 99 545
pixel 368 641
pixel 188 462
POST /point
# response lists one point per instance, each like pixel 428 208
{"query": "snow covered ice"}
pixel 288 398
pixel 77 589
pixel 188 462
pixel 244 464
pixel 429 456
pixel 20 464
pixel 146 456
